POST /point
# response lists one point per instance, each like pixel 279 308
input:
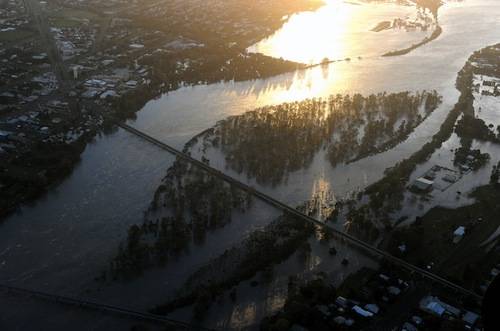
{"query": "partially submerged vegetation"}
pixel 94 68
pixel 471 127
pixel 430 242
pixel 387 194
pixel 473 157
pixel 261 250
pixel 434 241
pixel 188 204
pixel 435 34
pixel 367 300
pixel 428 16
pixel 269 143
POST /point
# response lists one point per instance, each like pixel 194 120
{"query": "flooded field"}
pixel 180 115
pixel 72 232
pixel 62 242
pixel 346 30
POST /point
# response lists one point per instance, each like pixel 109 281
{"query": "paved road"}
pixel 266 198
pixel 41 22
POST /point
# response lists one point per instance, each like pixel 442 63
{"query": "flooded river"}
pixel 178 116
pixel 62 241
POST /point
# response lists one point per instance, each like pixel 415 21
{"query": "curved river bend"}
pixel 63 240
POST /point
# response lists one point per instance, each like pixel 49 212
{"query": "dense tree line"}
pixel 477 159
pixel 301 306
pixel 387 194
pixel 214 64
pixel 261 250
pixel 270 142
pixel 495 174
pixel 475 128
pixel 187 205
pixel 430 239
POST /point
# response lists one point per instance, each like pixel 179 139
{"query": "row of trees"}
pixel 270 142
pixel 188 204
pixel 471 127
pixel 260 251
pixel 477 159
pixel 387 194
pixel 495 174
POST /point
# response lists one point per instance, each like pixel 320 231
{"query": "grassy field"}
pixel 16 35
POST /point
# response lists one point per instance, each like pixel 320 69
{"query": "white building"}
pixel 458 234
pixel 437 307
pixel 423 184
pixel 360 311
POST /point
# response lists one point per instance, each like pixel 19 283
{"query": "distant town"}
pixel 72 68
pixel 353 193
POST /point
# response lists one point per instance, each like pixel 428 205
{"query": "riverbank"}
pixel 435 34
pixel 371 211
pixel 43 153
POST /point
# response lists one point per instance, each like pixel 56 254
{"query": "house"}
pixel 372 308
pixel 470 318
pixel 136 46
pixel 39 57
pixel 464 168
pixel 360 311
pixel 297 327
pixel 422 184
pixel 450 178
pixel 109 94
pixel 89 94
pixel 393 290
pixel 340 320
pixel 458 234
pixel 417 320
pixel 131 83
pixel 385 278
pixel 342 302
pixel 4 136
pixel 409 327
pixel 437 307
pixel 324 310
pixel 98 83
pixel 431 175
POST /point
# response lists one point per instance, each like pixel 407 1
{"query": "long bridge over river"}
pixel 177 325
pixel 288 209
pixel 162 321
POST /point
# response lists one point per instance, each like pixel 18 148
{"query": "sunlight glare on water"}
pixel 307 28
pixel 339 30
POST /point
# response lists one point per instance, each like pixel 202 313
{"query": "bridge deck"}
pixel 280 205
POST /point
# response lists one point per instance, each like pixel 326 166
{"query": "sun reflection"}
pixel 341 30
pixel 304 34
pixel 305 85
pixel 322 198
pixel 337 31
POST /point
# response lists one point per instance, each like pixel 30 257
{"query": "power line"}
pixel 110 309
